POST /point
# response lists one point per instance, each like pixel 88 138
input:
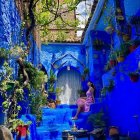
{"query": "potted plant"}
pixel 98 44
pixel 36 102
pixel 134 76
pixel 18 127
pixel 58 92
pixel 99 123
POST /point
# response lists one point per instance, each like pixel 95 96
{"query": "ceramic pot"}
pixel 113 130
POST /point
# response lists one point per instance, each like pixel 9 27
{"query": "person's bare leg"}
pixel 77 113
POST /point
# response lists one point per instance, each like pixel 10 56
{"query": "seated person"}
pixel 85 102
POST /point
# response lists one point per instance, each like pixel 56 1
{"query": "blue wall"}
pixel 56 56
pixel 10 27
pixel 123 101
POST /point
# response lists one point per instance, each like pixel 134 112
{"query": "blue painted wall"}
pixel 123 101
pixel 10 26
pixel 56 56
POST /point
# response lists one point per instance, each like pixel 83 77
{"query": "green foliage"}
pixel 36 102
pixel 86 71
pixel 12 93
pixel 98 119
pixel 4 53
pixel 14 123
pixel 50 14
pixel 51 81
pixel 108 88
pixel 36 77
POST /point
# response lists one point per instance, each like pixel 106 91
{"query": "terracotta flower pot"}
pixel 22 130
pixel 126 37
pixel 113 130
pixel 120 59
pixel 132 48
pixel 134 78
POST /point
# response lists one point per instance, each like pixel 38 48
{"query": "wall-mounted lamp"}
pixel 68 67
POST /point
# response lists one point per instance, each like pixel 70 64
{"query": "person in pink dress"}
pixel 85 102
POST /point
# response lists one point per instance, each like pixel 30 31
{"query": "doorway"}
pixel 69 80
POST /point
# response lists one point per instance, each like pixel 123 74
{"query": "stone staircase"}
pixel 54 121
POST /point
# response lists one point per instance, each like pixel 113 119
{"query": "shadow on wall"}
pixel 124 100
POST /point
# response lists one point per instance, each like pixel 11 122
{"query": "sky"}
pixel 83 12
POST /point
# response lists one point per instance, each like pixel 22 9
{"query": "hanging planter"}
pixel 134 76
pixel 109 29
pixel 119 14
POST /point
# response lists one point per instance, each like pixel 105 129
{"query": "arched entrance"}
pixel 70 81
